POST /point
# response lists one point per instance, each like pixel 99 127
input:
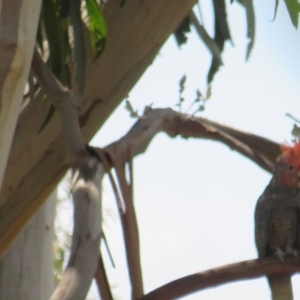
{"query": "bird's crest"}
pixel 291 152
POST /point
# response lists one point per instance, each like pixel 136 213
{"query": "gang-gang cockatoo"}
pixel 277 217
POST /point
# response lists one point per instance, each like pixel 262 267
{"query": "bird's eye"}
pixel 291 167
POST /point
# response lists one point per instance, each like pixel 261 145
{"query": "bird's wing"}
pixel 262 225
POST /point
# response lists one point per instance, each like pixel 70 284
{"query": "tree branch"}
pixel 174 123
pixel 137 140
pixel 64 101
pixel 130 229
pixel 127 217
pixel 84 257
pixel 211 278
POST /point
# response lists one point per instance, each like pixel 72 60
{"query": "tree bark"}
pixel 26 270
pixel 18 26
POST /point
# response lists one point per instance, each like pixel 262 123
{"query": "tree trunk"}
pixel 18 26
pixel 26 270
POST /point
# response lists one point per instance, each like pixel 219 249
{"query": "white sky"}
pixel 195 199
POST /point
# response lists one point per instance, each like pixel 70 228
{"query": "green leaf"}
pixel 56 35
pixel 250 15
pixel 182 30
pixel 39 36
pixel 199 94
pixel 275 10
pixel 182 83
pixel 31 87
pixel 133 113
pixel 79 43
pixel 222 34
pixel 293 7
pixel 296 131
pixel 49 116
pixel 97 26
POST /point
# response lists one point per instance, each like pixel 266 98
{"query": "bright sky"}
pixel 195 199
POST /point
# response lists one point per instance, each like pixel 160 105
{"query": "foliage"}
pixel 199 100
pixel 65 30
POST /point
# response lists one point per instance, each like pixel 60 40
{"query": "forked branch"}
pixel 64 101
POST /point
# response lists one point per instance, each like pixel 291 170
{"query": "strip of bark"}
pixel 102 281
pixel 127 217
pixel 249 269
pixel 130 230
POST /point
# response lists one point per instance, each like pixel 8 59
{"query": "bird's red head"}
pixel 288 165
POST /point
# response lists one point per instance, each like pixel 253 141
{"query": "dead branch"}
pixel 174 123
pixel 127 217
pixel 64 101
pixel 130 229
pixel 211 278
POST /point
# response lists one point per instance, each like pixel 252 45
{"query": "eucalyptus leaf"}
pixel 49 116
pixel 250 15
pixel 97 26
pixel 57 37
pixel 79 43
pixel 293 9
pixel 275 10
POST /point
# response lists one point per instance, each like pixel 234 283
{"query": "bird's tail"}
pixel 281 287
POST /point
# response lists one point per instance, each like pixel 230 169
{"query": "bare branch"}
pixel 127 217
pixel 211 278
pixel 174 123
pixel 84 257
pixel 130 229
pixel 64 101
